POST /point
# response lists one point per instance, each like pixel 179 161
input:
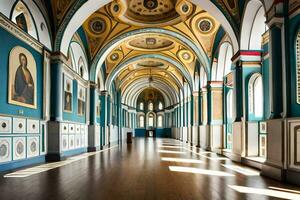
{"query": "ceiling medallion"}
pixel 97 25
pixel 185 56
pixel 115 56
pixel 150 4
pixel 150 63
pixel 151 13
pixel 205 25
pixel 150 42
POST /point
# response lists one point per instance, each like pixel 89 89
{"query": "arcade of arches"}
pixel 193 81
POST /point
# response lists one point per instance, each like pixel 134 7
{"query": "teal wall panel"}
pixel 8 42
pixel 74 116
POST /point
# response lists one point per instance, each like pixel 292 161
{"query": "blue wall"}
pixel 8 42
pixel 74 116
pixel 160 132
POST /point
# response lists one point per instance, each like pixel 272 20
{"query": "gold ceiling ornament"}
pixel 151 13
pixel 205 25
pixel 185 56
pixel 150 63
pixel 97 25
pixel 116 56
pixel 150 42
pixel 185 9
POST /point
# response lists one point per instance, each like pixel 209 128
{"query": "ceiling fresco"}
pixel 151 95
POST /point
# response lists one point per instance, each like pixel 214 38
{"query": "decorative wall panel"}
pixel 64 142
pixel 19 125
pixel 33 146
pixel 64 128
pixel 5 125
pixel 71 128
pixel 19 148
pixel 33 126
pixel 5 149
pixel 71 142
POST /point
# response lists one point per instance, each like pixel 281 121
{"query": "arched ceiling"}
pixel 138 41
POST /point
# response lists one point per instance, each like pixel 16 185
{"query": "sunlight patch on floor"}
pixel 46 167
pixel 242 170
pixel 266 192
pixel 181 160
pixel 199 171
pixel 169 151
pixel 171 147
pixel 208 157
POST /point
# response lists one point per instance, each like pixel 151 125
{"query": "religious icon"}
pixel 21 22
pixel 22 78
pixel 68 86
pixel 81 100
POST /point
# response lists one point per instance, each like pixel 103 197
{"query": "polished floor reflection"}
pixel 147 169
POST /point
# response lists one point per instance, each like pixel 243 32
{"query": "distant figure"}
pixel 24 85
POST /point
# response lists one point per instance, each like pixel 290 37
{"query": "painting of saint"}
pixel 81 101
pixel 21 22
pixel 68 87
pixel 22 78
pixel 24 85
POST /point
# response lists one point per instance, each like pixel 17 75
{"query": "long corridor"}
pixel 147 169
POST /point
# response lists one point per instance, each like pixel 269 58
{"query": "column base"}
pixel 273 172
pixel 55 157
pixel 93 149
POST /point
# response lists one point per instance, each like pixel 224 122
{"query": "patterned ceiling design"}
pixel 124 16
pixel 151 12
pixel 150 42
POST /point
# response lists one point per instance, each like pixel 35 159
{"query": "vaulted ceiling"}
pixel 150 42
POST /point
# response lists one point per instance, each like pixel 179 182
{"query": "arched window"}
pixel 160 106
pixel 203 78
pixel 159 121
pixel 229 104
pixel 141 106
pixel 151 120
pixel 142 121
pixel 256 95
pixel 150 106
pixel 298 67
pixel 224 61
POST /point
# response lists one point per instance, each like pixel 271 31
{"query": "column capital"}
pixel 58 57
pixel 275 13
pixel 196 93
pixel 104 93
pixel 92 84
pixel 214 84
pixel 247 58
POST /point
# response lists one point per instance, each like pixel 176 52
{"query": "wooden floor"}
pixel 147 169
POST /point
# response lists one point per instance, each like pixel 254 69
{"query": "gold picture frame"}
pixel 22 78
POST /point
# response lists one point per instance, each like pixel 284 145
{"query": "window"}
pixel 160 121
pixel 160 106
pixel 150 106
pixel 81 71
pixel 298 67
pixel 142 121
pixel 151 120
pixel 256 95
pixel 229 104
pixel 141 106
